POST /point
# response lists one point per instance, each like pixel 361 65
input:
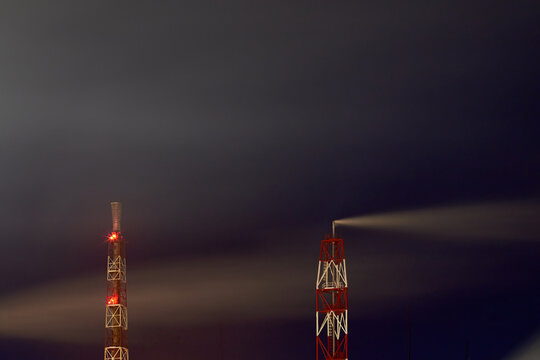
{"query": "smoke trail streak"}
pixel 256 287
pixel 178 293
pixel 529 351
pixel 205 291
pixel 517 220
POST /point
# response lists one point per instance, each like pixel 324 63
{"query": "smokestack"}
pixel 116 208
pixel 116 314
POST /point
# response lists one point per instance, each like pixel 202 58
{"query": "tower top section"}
pixel 116 208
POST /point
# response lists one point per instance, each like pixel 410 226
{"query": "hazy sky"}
pixel 234 132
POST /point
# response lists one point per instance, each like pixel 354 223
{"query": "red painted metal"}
pixel 331 302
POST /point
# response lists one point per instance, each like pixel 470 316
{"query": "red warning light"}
pixel 113 237
pixel 112 300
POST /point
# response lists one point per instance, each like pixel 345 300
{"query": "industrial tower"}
pixel 116 316
pixel 331 304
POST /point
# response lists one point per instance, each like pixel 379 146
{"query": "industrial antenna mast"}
pixel 116 316
pixel 331 304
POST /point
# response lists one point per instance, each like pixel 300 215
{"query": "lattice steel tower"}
pixel 116 316
pixel 331 304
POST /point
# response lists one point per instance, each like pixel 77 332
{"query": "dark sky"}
pixel 234 132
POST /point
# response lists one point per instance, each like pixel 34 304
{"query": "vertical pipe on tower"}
pixel 116 210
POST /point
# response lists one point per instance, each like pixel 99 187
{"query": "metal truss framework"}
pixel 331 302
pixel 116 353
pixel 116 268
pixel 116 314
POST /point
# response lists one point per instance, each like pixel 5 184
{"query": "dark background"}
pixel 234 133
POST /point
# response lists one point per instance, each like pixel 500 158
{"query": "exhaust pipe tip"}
pixel 116 208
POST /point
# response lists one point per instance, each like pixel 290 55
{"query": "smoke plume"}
pixel 516 220
pixel 529 351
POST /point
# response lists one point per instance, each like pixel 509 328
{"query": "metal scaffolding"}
pixel 331 304
pixel 116 314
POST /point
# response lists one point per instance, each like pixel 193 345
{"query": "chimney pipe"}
pixel 116 208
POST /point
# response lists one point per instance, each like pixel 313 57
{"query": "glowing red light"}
pixel 112 300
pixel 113 236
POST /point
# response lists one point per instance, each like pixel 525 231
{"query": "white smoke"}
pixel 512 220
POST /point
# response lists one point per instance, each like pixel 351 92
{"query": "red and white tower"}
pixel 331 304
pixel 116 315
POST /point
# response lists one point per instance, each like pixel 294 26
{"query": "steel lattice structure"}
pixel 116 315
pixel 331 304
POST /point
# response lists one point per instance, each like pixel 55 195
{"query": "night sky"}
pixel 234 132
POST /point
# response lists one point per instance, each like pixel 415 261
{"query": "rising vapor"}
pixel 517 220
